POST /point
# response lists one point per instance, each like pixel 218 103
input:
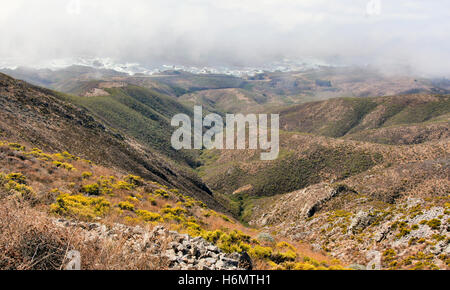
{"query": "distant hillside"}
pixel 229 100
pixel 184 82
pixel 64 79
pixel 263 92
pixel 400 212
pixel 351 127
pixel 403 119
pixel 270 90
pixel 381 171
pixel 40 117
pixel 138 112
pixel 332 82
pixel 240 176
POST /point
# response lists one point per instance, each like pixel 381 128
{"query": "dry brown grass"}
pixel 29 240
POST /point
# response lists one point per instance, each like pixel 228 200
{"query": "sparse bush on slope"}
pixel 112 198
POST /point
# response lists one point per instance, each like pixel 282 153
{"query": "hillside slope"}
pixel 304 160
pixel 40 117
pixel 138 112
pixel 402 119
pixel 54 203
pixel 397 214
pixel 350 199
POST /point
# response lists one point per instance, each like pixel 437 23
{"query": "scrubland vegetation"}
pixel 35 184
pixel 355 175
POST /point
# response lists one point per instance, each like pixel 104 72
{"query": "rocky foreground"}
pixel 413 233
pixel 178 251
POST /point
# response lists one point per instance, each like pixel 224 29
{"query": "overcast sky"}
pixel 409 34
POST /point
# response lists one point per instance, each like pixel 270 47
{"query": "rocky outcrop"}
pixel 188 253
pixel 298 204
pixel 181 251
pixel 362 220
pixel 409 235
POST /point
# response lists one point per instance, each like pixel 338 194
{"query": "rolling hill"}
pixel 417 118
pixel 347 198
pixel 262 92
pixel 138 112
pixel 65 184
pixel 355 174
pixel 354 133
pixel 47 120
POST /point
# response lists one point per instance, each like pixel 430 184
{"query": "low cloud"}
pixel 401 35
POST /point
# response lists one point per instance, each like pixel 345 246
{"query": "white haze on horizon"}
pixel 404 36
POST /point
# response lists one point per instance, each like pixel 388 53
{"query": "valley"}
pixel 363 169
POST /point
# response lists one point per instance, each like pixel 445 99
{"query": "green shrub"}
pixel 193 228
pixel 285 246
pixel 91 189
pixel 260 252
pixel 149 216
pixel 175 211
pixel 17 146
pixel 105 184
pixel 212 236
pixel 403 232
pixel 86 175
pixel 15 183
pixel 37 153
pixel 64 165
pixel 80 206
pixel 17 177
pixel 125 205
pixel 280 257
pixel 311 261
pixel 152 201
pixel 23 190
pixel 161 192
pixel 124 185
pixel 435 224
pixel 135 180
pixel 389 255
pixel 67 155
